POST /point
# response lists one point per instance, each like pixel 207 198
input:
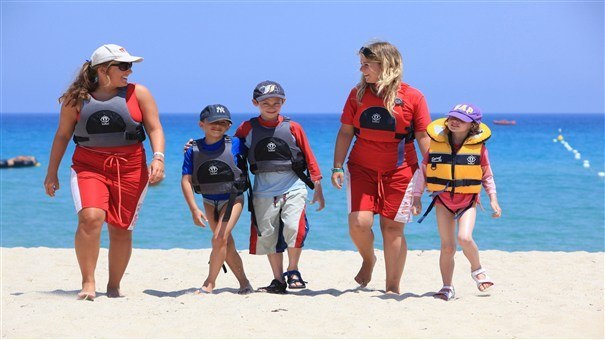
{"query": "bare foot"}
pixel 88 292
pixel 207 288
pixel 202 291
pixel 365 273
pixel 86 296
pixel 114 293
pixel 245 289
pixel 392 291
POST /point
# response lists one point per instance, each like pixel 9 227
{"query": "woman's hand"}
pixel 51 184
pixel 338 179
pixel 156 170
pixel 67 124
pixel 153 127
pixel 341 148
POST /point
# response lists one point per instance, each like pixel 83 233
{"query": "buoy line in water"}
pixel 577 154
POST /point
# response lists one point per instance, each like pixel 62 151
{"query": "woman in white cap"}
pixel 108 118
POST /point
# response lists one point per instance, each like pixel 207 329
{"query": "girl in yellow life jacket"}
pixel 454 170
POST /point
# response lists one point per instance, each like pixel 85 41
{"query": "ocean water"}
pixel 550 201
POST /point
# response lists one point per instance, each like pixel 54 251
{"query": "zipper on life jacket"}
pixel 453 164
pixel 454 154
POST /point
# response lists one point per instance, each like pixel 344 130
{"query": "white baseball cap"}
pixel 111 52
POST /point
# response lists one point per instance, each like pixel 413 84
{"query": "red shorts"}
pixel 385 193
pixel 113 181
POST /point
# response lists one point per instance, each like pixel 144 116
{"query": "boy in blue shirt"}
pixel 213 167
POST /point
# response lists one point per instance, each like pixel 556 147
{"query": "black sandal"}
pixel 275 287
pixel 295 280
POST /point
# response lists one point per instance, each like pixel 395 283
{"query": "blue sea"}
pixel 550 201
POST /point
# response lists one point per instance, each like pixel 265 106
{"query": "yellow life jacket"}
pixel 460 171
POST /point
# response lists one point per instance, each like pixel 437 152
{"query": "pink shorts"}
pixel 386 193
pixel 458 202
pixel 113 181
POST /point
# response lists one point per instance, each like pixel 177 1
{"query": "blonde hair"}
pixel 390 77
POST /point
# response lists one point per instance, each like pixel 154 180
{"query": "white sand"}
pixel 537 295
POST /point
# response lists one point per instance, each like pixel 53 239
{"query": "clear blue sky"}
pixel 507 57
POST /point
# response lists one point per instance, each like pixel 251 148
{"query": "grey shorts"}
pixel 282 223
pixel 219 204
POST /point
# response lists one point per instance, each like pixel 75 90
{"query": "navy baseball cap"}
pixel 215 112
pixel 268 89
pixel 466 113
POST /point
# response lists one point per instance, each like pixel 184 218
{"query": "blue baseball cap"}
pixel 466 113
pixel 215 112
pixel 268 89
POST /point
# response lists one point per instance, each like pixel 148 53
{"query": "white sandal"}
pixel 478 281
pixel 446 293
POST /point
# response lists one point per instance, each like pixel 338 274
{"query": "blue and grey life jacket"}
pixel 215 172
pixel 275 149
pixel 107 123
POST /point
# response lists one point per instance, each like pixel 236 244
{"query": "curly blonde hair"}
pixel 390 77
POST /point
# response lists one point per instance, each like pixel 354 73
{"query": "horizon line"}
pixel 330 113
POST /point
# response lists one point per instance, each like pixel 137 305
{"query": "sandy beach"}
pixel 537 295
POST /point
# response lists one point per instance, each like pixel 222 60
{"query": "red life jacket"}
pixel 376 123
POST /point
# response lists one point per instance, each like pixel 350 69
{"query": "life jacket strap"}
pixel 300 169
pixel 435 196
pixel 409 137
pixel 78 139
pixel 453 183
pixel 216 212
pixel 462 211
pixel 138 135
pixel 251 204
pixel 230 203
pixel 224 267
pixel 428 210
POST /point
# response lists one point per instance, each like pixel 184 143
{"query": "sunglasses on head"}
pixel 367 52
pixel 123 66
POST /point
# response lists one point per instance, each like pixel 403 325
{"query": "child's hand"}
pixel 188 145
pixel 199 218
pixel 496 207
pixel 318 196
pixel 338 179
pixel 416 205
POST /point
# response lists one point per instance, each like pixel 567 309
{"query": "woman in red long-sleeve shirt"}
pixel 385 115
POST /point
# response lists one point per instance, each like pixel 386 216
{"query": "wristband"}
pixel 335 170
pixel 157 153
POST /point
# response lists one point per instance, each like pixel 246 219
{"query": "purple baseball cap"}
pixel 466 113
